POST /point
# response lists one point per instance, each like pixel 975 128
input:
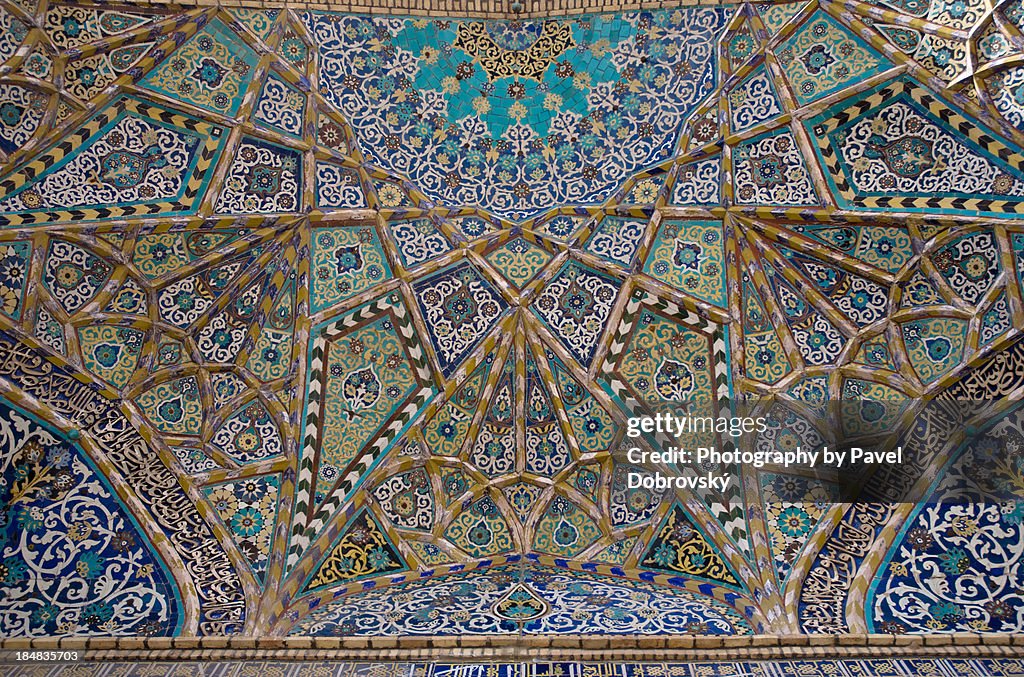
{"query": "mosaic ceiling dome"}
pixel 315 323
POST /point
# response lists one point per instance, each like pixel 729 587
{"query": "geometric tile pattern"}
pixel 512 106
pixel 576 603
pixel 339 317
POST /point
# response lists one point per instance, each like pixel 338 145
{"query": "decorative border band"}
pixel 455 9
pixel 544 647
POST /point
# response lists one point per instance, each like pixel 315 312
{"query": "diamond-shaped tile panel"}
pixel 417 240
pixel 493 452
pixel 263 178
pixel 617 239
pixel 546 450
pixel 565 529
pixel 770 169
pixel 764 357
pixel 338 186
pixel 753 101
pixel 460 307
pixel 822 57
pixel 211 71
pixel 690 256
pixel 519 260
pixel 698 183
pixel 663 361
pixel 576 305
pixel 346 261
pixel 816 337
pixel 368 379
pixel 281 106
pixel 248 509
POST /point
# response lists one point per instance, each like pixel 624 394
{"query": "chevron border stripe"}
pixel 822 127
pixel 309 518
pixel 213 140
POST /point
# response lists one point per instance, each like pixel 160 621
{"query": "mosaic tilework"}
pixel 823 56
pixel 347 312
pixel 79 564
pixel 212 71
pixel 541 601
pixel 957 542
pixel 513 105
pixel 129 159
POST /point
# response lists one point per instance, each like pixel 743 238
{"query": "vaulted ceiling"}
pixel 325 323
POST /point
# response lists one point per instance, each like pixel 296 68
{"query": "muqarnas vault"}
pixel 318 323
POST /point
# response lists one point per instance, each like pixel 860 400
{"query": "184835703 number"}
pixel 45 656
